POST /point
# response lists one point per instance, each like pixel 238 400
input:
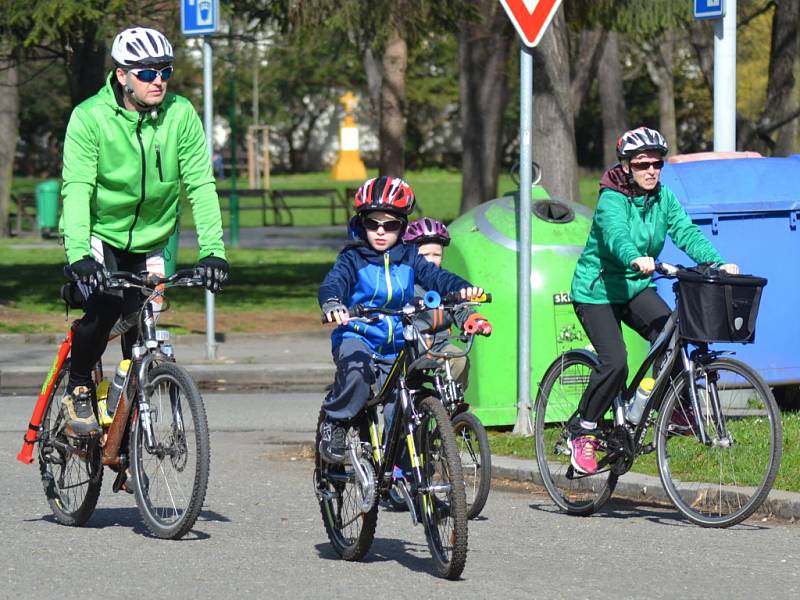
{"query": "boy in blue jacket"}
pixel 374 269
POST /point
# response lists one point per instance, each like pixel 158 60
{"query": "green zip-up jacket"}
pixel 623 229
pixel 122 173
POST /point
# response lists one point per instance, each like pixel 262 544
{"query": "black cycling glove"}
pixel 332 305
pixel 215 272
pixel 90 273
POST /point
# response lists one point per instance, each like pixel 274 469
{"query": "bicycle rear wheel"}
pixel 476 460
pixel 724 482
pixel 170 479
pixel 560 392
pixel 350 529
pixel 443 506
pixel 71 468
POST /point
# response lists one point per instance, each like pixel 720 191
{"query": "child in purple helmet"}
pixel 431 237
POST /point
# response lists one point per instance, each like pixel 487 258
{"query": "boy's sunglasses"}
pixel 645 165
pixel 389 226
pixel 149 75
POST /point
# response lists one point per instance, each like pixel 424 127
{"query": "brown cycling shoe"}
pixel 78 413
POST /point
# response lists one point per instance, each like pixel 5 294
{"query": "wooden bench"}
pixel 330 198
pixel 265 206
pixel 24 204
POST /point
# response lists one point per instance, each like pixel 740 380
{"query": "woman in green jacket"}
pixel 612 283
pixel 126 151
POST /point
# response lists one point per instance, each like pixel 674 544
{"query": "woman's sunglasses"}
pixel 149 75
pixel 645 165
pixel 389 226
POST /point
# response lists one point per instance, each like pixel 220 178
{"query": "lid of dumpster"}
pixel 740 185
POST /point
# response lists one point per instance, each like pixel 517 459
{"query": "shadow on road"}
pixel 413 556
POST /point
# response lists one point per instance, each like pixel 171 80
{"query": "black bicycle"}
pixel 711 419
pixel 435 491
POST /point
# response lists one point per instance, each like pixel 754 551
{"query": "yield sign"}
pixel 531 17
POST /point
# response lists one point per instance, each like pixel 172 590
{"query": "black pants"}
pixel 646 314
pixel 101 311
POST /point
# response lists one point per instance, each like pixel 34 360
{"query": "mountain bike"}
pixel 157 441
pixel 434 490
pixel 711 420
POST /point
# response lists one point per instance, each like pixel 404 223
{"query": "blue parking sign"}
pixel 199 17
pixel 709 9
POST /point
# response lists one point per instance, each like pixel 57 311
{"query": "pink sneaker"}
pixel 583 453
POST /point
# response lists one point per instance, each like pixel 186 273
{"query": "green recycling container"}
pixel 47 204
pixel 484 250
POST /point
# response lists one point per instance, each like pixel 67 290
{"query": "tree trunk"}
pixel 393 94
pixel 553 123
pixel 612 98
pixel 9 133
pixel 659 66
pixel 86 59
pixel 590 50
pixel 484 46
pixel 779 116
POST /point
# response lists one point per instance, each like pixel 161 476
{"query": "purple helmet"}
pixel 426 231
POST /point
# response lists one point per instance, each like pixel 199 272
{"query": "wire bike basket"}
pixel 714 306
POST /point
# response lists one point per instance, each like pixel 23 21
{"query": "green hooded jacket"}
pixel 624 228
pixel 122 173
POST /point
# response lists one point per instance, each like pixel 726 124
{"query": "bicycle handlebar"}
pixel 450 301
pixel 181 278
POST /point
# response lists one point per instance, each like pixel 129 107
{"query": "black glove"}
pixel 332 305
pixel 215 271
pixel 90 273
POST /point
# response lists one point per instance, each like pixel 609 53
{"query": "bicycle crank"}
pixel 365 478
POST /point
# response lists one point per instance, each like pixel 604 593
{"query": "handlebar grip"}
pixel 432 299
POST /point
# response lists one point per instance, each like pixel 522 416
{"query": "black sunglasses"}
pixel 389 226
pixel 149 75
pixel 645 165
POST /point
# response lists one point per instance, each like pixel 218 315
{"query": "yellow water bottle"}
pixel 115 391
pixel 636 407
pixel 102 409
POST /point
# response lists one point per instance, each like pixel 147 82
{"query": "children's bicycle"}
pixel 434 491
pixel 157 441
pixel 711 420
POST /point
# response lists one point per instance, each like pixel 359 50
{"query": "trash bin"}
pixel 484 250
pixel 749 209
pixel 47 204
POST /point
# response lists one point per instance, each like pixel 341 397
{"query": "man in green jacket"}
pixel 126 151
pixel 612 282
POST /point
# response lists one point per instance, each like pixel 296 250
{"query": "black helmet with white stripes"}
pixel 141 47
pixel 638 140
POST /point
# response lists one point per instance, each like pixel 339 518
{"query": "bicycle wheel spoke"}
pixel 724 481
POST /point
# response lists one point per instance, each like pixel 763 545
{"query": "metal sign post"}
pixel 530 18
pixel 201 17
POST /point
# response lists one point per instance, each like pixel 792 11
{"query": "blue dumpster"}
pixel 749 208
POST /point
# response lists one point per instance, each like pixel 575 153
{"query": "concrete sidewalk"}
pixel 298 361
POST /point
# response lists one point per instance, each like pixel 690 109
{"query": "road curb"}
pixel 286 376
pixel 635 486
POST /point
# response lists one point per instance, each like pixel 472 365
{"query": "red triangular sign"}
pixel 531 17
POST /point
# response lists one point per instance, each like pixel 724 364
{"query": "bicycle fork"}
pixel 712 405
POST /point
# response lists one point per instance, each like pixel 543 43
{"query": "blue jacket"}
pixel 362 275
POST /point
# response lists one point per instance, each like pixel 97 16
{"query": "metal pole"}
pixel 523 425
pixel 234 199
pixel 725 80
pixel 208 123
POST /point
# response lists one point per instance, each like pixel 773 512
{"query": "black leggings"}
pixel 646 314
pixel 90 334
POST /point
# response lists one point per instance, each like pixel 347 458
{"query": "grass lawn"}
pixel 506 444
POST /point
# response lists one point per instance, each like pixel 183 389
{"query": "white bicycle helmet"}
pixel 638 140
pixel 141 47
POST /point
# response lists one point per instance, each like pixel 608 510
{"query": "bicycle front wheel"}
pixel 341 502
pixel 71 468
pixel 724 481
pixel 443 502
pixel 170 478
pixel 476 460
pixel 560 392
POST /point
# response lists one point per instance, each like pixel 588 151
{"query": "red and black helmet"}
pixel 391 194
pixel 639 140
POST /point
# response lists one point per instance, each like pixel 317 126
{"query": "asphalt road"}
pixel 260 535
